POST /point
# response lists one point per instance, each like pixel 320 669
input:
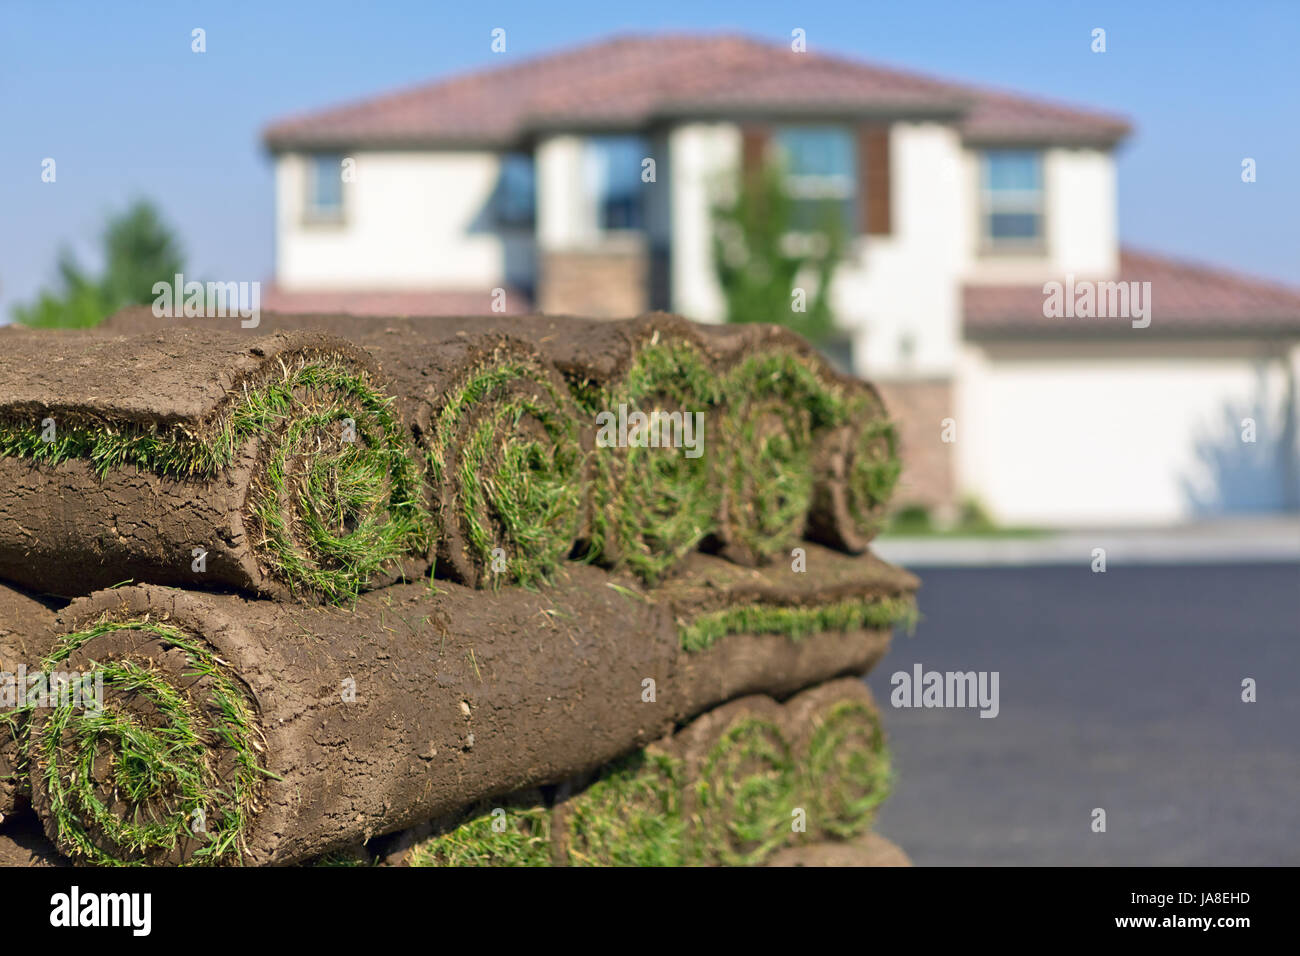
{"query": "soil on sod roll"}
pixel 26 633
pixel 291 731
pixel 733 787
pixel 275 464
pixel 23 843
pixel 870 849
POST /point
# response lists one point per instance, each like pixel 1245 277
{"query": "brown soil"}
pixel 870 849
pixel 26 633
pixel 23 843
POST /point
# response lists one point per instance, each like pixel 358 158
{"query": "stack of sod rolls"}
pixel 336 579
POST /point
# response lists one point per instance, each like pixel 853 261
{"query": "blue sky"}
pixel 114 94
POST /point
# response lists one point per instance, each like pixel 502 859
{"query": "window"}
pixel 612 165
pixel 820 164
pixel 1013 198
pixel 516 194
pixel 324 201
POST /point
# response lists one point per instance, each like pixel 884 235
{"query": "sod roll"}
pixel 740 785
pixel 503 450
pixel 814 452
pixel 790 446
pixel 289 731
pixel 275 464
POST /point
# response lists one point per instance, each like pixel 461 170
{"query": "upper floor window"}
pixel 1012 197
pixel 516 196
pixel 324 182
pixel 820 165
pixel 612 167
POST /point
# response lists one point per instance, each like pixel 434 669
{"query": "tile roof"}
pixel 1185 297
pixel 628 81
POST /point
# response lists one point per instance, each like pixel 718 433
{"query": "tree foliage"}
pixel 139 250
pixel 760 258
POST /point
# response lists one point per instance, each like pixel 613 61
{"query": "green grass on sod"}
pixel 654 505
pixel 776 406
pixel 796 621
pixel 514 490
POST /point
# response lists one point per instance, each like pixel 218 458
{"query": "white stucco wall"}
pixel 703 159
pixel 566 215
pixel 899 294
pixel 1128 433
pixel 414 220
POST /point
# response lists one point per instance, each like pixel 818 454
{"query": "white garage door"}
pixel 1130 433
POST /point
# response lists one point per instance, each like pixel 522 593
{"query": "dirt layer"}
pixel 26 634
pixel 23 843
pixel 870 849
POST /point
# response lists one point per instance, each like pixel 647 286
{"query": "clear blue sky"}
pixel 113 93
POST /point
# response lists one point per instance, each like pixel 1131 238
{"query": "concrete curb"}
pixel 1277 542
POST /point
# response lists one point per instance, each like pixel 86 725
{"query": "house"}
pixel 584 182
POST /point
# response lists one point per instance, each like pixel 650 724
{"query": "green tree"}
pixel 759 257
pixel 139 250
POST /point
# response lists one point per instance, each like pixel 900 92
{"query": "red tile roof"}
pixel 1185 297
pixel 387 302
pixel 628 81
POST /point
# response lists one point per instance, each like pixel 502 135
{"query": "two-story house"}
pixel 585 182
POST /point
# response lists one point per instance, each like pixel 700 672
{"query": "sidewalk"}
pixel 1236 541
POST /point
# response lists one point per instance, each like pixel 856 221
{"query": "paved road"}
pixel 1119 690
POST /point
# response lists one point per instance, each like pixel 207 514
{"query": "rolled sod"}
pixel 778 406
pixel 275 464
pixel 503 447
pixel 26 633
pixel 513 832
pixel 829 446
pixel 856 467
pixel 790 445
pixel 740 785
pixel 290 731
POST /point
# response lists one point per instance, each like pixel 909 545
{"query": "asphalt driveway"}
pixel 1120 691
